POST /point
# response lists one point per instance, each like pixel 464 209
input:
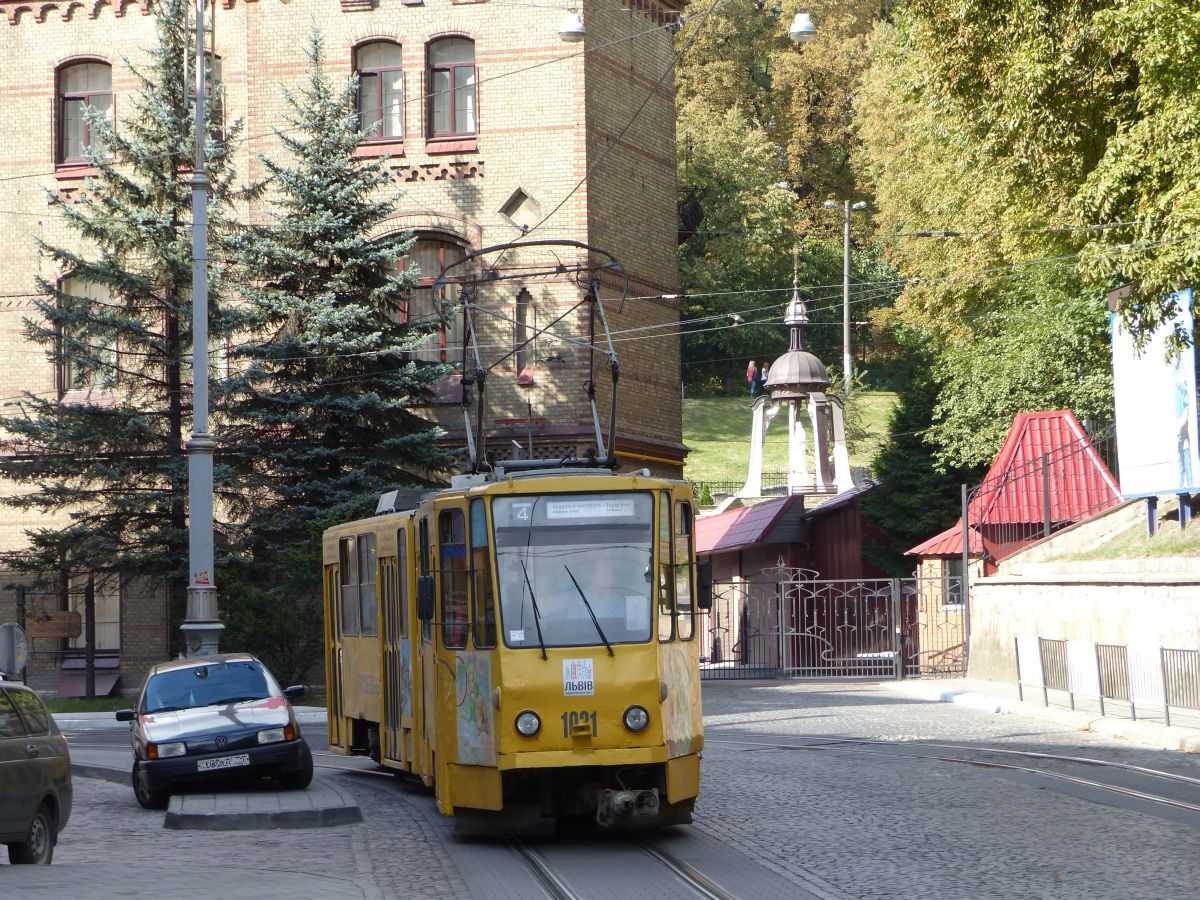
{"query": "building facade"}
pixel 495 129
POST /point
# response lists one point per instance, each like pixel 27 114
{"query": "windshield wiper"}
pixel 151 712
pixel 537 615
pixel 237 700
pixel 595 621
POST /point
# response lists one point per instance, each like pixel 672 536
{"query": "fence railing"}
pixel 1158 677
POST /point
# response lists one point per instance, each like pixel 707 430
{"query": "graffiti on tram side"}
pixel 406 685
pixel 473 690
pixel 681 709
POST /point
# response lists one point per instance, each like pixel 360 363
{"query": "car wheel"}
pixel 302 777
pixel 38 846
pixel 147 798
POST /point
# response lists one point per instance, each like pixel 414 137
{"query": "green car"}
pixel 35 777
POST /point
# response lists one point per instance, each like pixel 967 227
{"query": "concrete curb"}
pixel 321 805
pixel 1163 737
pixel 103 773
pixel 263 821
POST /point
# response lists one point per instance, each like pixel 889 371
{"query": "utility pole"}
pixel 847 362
pixel 202 627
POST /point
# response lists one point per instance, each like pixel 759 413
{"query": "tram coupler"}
pixel 612 807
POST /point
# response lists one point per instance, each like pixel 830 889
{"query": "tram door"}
pixel 396 728
pixel 333 654
pixel 427 719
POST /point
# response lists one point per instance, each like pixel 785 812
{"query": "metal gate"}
pixel 788 623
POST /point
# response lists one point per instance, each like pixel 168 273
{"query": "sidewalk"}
pixel 253 807
pixel 1000 697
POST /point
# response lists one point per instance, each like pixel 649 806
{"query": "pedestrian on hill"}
pixel 762 378
pixel 752 377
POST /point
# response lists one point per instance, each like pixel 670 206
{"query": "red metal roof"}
pixel 1080 484
pixel 739 527
pixel 948 543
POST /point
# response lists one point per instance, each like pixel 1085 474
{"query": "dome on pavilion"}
pixel 796 374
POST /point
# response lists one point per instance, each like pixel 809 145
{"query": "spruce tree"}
pixel 914 500
pixel 107 461
pixel 318 408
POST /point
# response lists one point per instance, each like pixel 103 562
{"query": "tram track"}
pixel 866 745
pixel 559 887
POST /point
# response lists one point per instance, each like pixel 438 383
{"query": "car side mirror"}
pixel 124 715
pixel 295 692
pixel 425 598
pixel 704 585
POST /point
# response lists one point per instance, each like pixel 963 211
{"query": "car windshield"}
pixel 564 553
pixel 211 684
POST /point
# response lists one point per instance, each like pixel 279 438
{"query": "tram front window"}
pixel 559 554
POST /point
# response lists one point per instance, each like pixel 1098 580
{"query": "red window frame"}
pixel 426 283
pixel 378 72
pixel 60 150
pixel 452 93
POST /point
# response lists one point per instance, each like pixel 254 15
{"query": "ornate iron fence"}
pixel 789 624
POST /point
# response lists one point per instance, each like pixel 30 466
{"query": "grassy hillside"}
pixel 717 429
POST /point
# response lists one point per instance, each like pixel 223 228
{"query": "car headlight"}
pixel 636 718
pixel 162 751
pixel 271 735
pixel 528 723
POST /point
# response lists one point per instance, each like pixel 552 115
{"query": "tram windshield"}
pixel 560 558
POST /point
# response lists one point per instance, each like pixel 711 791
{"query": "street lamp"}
pixel 803 30
pixel 571 30
pixel 847 206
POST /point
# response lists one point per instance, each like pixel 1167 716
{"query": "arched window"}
pixel 452 101
pixel 380 90
pixel 88 361
pixel 429 255
pixel 80 86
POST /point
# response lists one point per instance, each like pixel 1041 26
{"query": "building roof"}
pixel 770 522
pixel 1012 490
pixel 948 543
pixel 1012 493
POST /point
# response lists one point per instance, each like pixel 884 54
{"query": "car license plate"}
pixel 224 762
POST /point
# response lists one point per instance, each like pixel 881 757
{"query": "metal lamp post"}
pixel 847 362
pixel 202 627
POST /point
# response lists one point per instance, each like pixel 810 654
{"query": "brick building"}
pixel 528 127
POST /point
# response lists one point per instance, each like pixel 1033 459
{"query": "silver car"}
pixel 206 719
pixel 35 777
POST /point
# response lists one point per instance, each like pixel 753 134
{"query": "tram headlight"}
pixel 636 718
pixel 528 723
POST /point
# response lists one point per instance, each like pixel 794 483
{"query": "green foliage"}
pixel 760 158
pixel 109 458
pixel 1009 322
pixel 914 500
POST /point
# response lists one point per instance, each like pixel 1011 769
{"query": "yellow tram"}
pixel 525 643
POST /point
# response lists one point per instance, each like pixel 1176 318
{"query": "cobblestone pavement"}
pixel 884 827
pixel 834 824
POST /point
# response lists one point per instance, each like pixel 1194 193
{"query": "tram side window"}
pixel 684 607
pixel 423 537
pixel 452 545
pixel 484 616
pixel 402 580
pixel 666 606
pixel 348 557
pixel 368 596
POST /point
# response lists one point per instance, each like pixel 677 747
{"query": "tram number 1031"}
pixel 578 723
